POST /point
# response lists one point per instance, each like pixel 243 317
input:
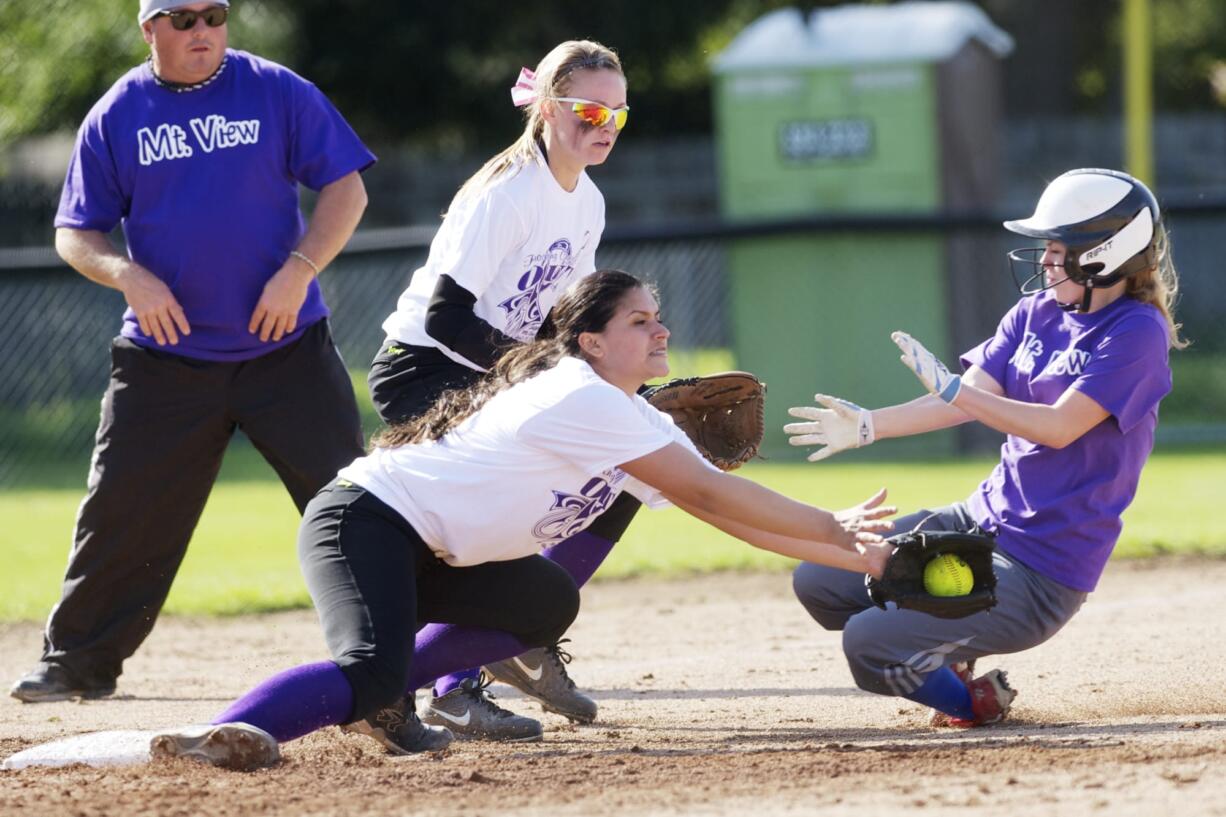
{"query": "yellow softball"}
pixel 948 575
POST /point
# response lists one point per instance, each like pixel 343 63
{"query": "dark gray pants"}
pixel 892 651
pixel 166 421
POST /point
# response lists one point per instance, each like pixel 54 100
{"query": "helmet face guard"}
pixel 1107 221
pixel 1026 266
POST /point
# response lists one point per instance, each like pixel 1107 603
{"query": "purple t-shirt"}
pixel 205 183
pixel 1058 510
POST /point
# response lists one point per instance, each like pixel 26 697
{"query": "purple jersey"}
pixel 205 183
pixel 1058 511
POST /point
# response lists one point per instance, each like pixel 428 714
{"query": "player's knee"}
pixel 808 585
pixel 857 636
pixel 860 644
pixel 555 610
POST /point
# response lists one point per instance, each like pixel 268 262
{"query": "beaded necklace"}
pixel 181 88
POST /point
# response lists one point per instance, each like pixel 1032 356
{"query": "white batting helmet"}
pixel 1108 221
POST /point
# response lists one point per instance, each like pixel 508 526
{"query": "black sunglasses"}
pixel 213 17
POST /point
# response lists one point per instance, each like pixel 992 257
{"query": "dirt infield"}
pixel 717 696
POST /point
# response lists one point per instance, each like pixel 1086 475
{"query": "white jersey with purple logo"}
pixel 515 245
pixel 1058 510
pixel 537 464
pixel 205 183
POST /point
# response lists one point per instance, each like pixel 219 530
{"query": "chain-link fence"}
pixel 55 326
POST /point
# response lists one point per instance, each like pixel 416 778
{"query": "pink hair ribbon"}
pixel 524 91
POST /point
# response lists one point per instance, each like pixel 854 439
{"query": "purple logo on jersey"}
pixel 545 272
pixel 571 513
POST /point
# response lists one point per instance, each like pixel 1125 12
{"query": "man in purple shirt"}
pixel 198 153
pixel 1073 378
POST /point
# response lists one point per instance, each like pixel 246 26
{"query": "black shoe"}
pixel 52 682
pixel 398 730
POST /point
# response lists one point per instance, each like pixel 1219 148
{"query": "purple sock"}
pixel 449 682
pixel 580 555
pixel 446 648
pixel 944 691
pixel 295 702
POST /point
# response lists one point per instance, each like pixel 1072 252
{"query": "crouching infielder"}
pixel 445 519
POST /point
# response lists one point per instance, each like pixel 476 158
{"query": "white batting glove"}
pixel 931 371
pixel 839 426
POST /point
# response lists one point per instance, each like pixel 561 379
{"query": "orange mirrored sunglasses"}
pixel 595 114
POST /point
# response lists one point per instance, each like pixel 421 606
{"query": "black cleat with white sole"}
pixel 398 730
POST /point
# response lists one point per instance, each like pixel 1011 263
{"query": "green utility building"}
pixel 856 110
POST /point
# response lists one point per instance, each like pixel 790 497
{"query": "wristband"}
pixel 864 429
pixel 302 257
pixel 951 390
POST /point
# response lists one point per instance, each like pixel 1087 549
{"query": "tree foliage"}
pixel 436 73
pixel 58 56
pixel 441 73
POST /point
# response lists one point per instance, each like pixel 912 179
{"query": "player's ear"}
pixel 549 111
pixel 589 344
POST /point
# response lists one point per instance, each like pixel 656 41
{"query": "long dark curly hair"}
pixel 586 307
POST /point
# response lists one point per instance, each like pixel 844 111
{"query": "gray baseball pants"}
pixel 892 651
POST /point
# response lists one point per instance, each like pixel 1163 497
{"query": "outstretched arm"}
pixel 682 477
pixel 930 413
pixel 868 556
pixel 1055 425
pixel 839 424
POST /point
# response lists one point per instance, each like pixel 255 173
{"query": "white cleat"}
pixel 237 746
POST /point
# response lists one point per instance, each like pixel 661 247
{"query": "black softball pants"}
pixel 375 583
pixel 165 424
pixel 405 380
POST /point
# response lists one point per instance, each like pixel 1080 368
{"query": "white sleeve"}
pixel 646 494
pixel 491 229
pixel 586 263
pixel 595 427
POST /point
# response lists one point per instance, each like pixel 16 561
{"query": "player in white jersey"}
pixel 445 520
pixel 517 233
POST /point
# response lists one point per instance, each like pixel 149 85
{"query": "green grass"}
pixel 1199 390
pixel 37 448
pixel 1161 520
pixel 243 560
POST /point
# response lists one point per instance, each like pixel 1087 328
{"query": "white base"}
pixel 122 747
